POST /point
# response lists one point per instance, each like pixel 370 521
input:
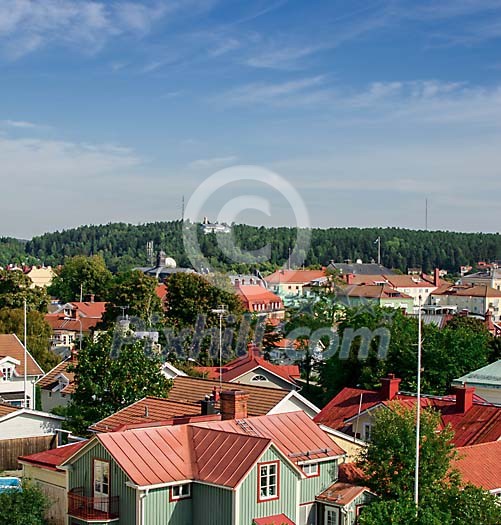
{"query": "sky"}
pixel 115 110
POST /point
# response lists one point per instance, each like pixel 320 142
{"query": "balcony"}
pixel 92 509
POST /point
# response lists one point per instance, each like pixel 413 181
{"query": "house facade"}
pixel 13 365
pixel 485 380
pixel 57 385
pixel 258 300
pixel 288 284
pixel 230 472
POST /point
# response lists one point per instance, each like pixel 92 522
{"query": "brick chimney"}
pixel 233 404
pixel 464 398
pixel 436 277
pixel 350 278
pixel 389 387
pixel 215 395
pixel 253 350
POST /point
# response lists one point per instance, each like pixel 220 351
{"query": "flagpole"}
pixel 25 356
pixel 418 411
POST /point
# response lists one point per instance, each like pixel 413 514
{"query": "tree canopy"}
pixel 105 384
pixel 389 466
pixel 16 287
pixel 81 275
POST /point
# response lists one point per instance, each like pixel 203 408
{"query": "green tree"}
pixel 105 384
pixel 23 507
pixel 38 336
pixel 136 292
pixel 15 288
pixel 81 275
pixel 389 464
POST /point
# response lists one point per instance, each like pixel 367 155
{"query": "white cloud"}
pixel 225 46
pixel 18 124
pixel 212 163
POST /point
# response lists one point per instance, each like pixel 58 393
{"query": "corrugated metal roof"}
pixel 51 459
pixel 341 493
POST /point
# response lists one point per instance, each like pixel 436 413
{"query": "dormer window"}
pixel 7 373
pixel 258 378
pixel 311 470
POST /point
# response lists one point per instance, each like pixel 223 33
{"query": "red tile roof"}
pixel 51 459
pixel 250 361
pixel 6 409
pixel 375 291
pixel 480 424
pixel 192 390
pixel 255 294
pixel 49 380
pixel 480 465
pixel 90 309
pixel 61 322
pixel 278 519
pixel 146 410
pixel 294 276
pixel 10 346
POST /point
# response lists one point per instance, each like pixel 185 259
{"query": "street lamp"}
pixel 221 311
pixel 81 328
pixel 418 409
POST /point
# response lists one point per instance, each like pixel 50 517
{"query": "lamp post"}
pixel 221 311
pixel 418 411
pixel 25 354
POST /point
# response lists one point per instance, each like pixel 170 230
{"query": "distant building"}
pixel 214 227
pixel 359 268
pixel 485 380
pixel 165 267
pixel 259 300
pixel 489 277
pixel 379 295
pixel 288 284
pixel 58 385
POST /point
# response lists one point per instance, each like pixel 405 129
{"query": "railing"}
pixel 89 508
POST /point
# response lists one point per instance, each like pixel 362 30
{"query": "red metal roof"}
pixel 480 465
pixel 51 459
pixel 278 519
pixel 480 424
pixel 341 493
pixel 294 433
pixel 215 452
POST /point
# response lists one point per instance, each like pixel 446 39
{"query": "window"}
pixel 311 470
pixel 101 485
pixel 258 378
pixel 180 492
pixel 367 432
pixel 6 373
pixel 331 517
pixel 268 481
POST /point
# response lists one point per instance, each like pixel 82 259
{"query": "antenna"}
pixel 182 209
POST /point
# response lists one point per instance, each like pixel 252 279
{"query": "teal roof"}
pixel 488 375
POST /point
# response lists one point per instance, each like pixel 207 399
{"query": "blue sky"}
pixel 113 110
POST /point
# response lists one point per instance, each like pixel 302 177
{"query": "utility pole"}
pixel 378 240
pixel 81 292
pixel 426 215
pixel 418 412
pixel 221 312
pixel 25 355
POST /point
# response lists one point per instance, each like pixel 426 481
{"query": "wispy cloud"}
pixel 212 163
pixel 226 45
pixel 27 25
pixel 22 124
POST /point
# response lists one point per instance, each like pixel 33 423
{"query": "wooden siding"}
pixel 11 449
pixel 312 487
pixel 212 505
pixel 287 503
pixel 158 510
pixel 81 476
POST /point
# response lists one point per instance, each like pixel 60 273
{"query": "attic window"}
pixel 259 378
pixel 6 373
pixel 180 492
pixel 311 470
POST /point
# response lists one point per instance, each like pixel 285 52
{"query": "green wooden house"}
pixel 221 472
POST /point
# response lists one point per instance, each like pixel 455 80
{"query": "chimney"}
pixel 146 412
pixel 350 277
pixel 464 398
pixel 234 404
pixel 253 350
pixel 436 277
pixel 390 386
pixel 215 395
pixel 208 406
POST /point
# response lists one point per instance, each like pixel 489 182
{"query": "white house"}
pixel 486 380
pixel 12 371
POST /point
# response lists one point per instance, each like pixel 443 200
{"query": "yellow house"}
pixel 41 276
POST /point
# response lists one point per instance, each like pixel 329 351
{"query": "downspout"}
pixel 142 508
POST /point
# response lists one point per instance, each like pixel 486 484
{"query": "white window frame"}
pixel 7 373
pixel 178 492
pixel 268 481
pixel 367 432
pixel 331 516
pixel 311 469
pixel 258 378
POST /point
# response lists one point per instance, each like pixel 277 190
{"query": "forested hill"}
pixel 124 245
